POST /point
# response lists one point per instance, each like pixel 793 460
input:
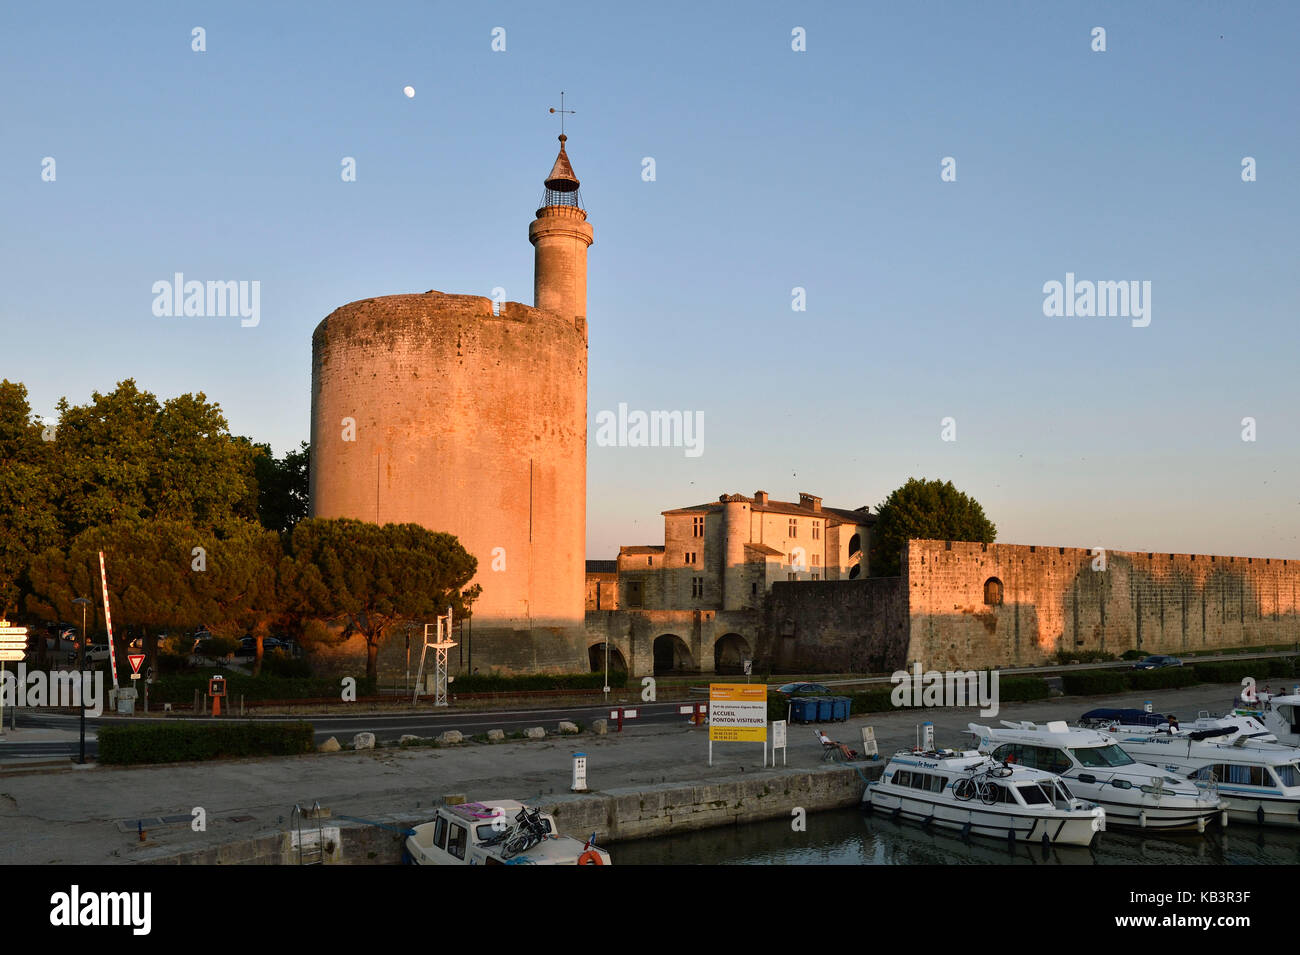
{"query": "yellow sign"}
pixel 738 712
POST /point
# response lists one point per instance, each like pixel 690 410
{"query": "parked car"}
pixel 799 689
pixel 1157 662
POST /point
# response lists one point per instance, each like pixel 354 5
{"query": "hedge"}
pixel 1166 678
pixel 180 687
pixel 1233 671
pixel 186 742
pixel 1093 682
pixel 499 683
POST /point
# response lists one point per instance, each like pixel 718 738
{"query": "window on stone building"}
pixel 635 596
pixel 690 557
pixel 816 560
pixel 993 592
pixel 816 576
pixel 753 588
pixel 697 587
pixel 697 527
pixel 650 561
pixel 817 530
pixel 794 527
pixel 791 576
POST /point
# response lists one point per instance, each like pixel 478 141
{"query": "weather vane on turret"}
pixel 562 111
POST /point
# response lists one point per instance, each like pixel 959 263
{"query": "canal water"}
pixel 850 837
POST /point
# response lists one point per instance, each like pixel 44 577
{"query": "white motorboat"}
pixel 1257 776
pixel 500 832
pixel 1096 768
pixel 981 796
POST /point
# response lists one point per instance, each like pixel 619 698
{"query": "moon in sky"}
pixel 409 91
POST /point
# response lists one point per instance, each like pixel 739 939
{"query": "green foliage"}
pixel 218 647
pixel 370 576
pixel 282 486
pixel 1234 671
pixel 497 683
pixel 924 510
pixel 126 457
pixel 1166 678
pixel 1065 657
pixel 180 687
pixel 1094 682
pixel 1132 655
pixel 184 742
pixel 279 664
pixel 1021 689
pixel 28 517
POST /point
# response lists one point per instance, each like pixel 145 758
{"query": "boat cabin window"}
pixel 1001 794
pixel 1101 756
pixel 1243 775
pixel 1288 712
pixel 1121 784
pixel 440 833
pixel 1288 774
pixel 902 778
pixel 1033 795
pixel 928 782
pixel 456 844
pixel 1035 757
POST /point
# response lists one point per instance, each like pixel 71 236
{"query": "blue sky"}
pixel 774 169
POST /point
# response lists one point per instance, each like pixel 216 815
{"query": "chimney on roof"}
pixel 760 497
pixel 810 500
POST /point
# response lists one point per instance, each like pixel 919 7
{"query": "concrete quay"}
pixel 648 781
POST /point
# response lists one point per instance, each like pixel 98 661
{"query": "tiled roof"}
pixel 641 549
pixel 834 515
pixel 602 566
pixel 764 549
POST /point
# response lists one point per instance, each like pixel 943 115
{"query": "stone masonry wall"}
pixel 1054 600
pixel 837 625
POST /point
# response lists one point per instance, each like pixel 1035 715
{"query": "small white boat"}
pixel 981 796
pixel 1258 777
pixel 1096 768
pixel 500 832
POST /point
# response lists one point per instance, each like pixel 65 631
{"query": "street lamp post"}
pixel 81 674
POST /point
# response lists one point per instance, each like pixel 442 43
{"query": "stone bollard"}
pixel 535 732
pixel 331 745
pixel 496 736
pixel 363 741
pixel 451 736
pixel 600 727
pixel 568 728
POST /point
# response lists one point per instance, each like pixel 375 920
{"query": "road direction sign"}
pixel 136 659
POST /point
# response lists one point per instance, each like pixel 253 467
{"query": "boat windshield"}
pixel 1034 794
pixel 1102 756
pixel 1288 774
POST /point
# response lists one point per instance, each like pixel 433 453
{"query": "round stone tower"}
pixel 445 411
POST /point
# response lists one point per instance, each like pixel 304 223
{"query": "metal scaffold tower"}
pixel 440 644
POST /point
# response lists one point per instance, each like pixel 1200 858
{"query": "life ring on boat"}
pixel 590 857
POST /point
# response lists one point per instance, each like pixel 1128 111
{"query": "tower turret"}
pixel 560 235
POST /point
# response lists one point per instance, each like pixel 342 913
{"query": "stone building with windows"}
pixel 727 554
pixel 698 601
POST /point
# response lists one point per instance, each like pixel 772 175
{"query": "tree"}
pixel 28 519
pixel 125 457
pixel 370 576
pixel 165 576
pixel 282 486
pixel 924 510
